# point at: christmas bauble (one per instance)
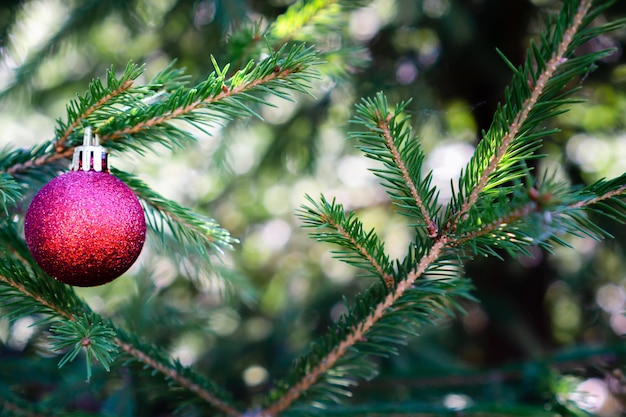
(85, 227)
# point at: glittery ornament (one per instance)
(85, 227)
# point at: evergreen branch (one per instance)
(302, 14)
(214, 99)
(191, 229)
(221, 98)
(358, 333)
(487, 160)
(348, 233)
(84, 114)
(389, 141)
(52, 298)
(10, 192)
(30, 291)
(175, 372)
(516, 214)
(303, 21)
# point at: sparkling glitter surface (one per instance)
(85, 228)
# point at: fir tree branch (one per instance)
(517, 124)
(212, 101)
(191, 229)
(174, 374)
(383, 125)
(356, 333)
(44, 303)
(389, 140)
(514, 215)
(60, 143)
(348, 233)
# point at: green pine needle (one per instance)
(88, 334)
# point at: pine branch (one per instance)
(389, 141)
(304, 21)
(496, 154)
(32, 292)
(215, 100)
(506, 214)
(96, 99)
(195, 233)
(396, 311)
(303, 16)
(361, 249)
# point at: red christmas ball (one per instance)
(85, 228)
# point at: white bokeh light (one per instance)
(446, 162)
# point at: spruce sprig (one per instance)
(194, 232)
(309, 22)
(361, 249)
(389, 140)
(84, 334)
(209, 103)
(28, 292)
(537, 93)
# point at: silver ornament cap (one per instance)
(90, 156)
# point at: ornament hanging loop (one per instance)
(90, 156)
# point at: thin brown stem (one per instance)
(358, 333)
(361, 249)
(514, 215)
(606, 196)
(518, 121)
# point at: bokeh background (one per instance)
(243, 319)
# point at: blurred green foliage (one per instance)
(536, 315)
